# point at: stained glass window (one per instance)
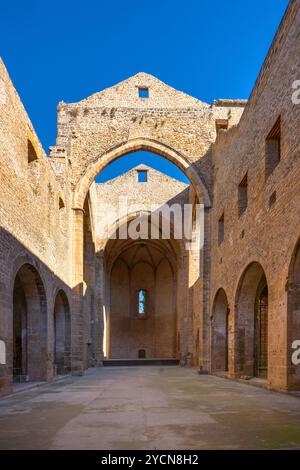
(142, 300)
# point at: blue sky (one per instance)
(67, 50)
(123, 164)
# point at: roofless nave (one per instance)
(69, 297)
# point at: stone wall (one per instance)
(34, 229)
(268, 230)
(95, 130)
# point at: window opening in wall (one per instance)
(221, 124)
(273, 148)
(142, 302)
(31, 153)
(61, 203)
(243, 195)
(221, 229)
(143, 92)
(272, 199)
(142, 176)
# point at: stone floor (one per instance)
(149, 408)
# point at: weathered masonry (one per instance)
(70, 295)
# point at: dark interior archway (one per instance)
(293, 289)
(141, 298)
(29, 326)
(251, 323)
(220, 333)
(261, 331)
(136, 327)
(20, 332)
(62, 334)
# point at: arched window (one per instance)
(142, 302)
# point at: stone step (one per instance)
(140, 362)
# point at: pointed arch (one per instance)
(29, 325)
(220, 332)
(251, 323)
(135, 145)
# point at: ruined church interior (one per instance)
(78, 298)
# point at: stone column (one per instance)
(77, 323)
(206, 309)
(184, 320)
(100, 302)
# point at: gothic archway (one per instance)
(135, 145)
(29, 326)
(141, 299)
(80, 196)
(220, 332)
(251, 323)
